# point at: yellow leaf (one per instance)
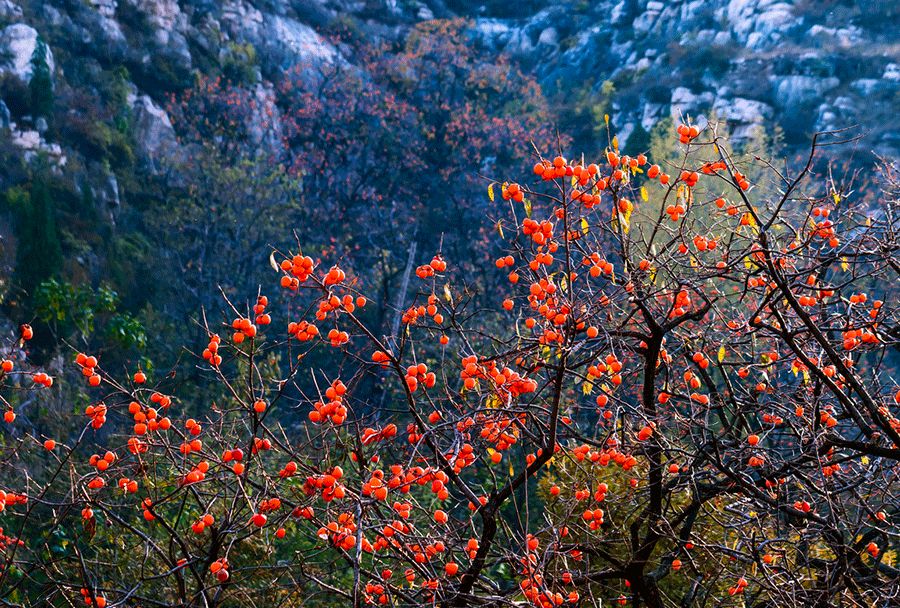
(447, 295)
(500, 228)
(587, 387)
(491, 191)
(273, 263)
(615, 142)
(527, 204)
(837, 198)
(644, 196)
(721, 355)
(606, 119)
(625, 218)
(584, 226)
(844, 265)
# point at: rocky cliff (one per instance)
(802, 65)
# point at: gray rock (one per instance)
(549, 36)
(867, 86)
(109, 193)
(685, 102)
(32, 144)
(282, 41)
(652, 113)
(742, 115)
(10, 11)
(760, 23)
(793, 90)
(840, 112)
(844, 37)
(17, 44)
(107, 8)
(4, 115)
(162, 14)
(153, 132)
(646, 20)
(722, 39)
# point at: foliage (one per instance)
(701, 409)
(72, 313)
(41, 84)
(38, 254)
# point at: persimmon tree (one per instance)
(686, 395)
(387, 151)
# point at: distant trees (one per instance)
(348, 147)
(38, 253)
(41, 84)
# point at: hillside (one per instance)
(116, 135)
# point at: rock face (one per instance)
(761, 23)
(281, 40)
(17, 44)
(10, 11)
(32, 143)
(793, 90)
(801, 64)
(751, 62)
(153, 132)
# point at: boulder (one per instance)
(153, 132)
(795, 89)
(10, 11)
(17, 44)
(760, 23)
(742, 115)
(32, 144)
(106, 8)
(282, 41)
(684, 102)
